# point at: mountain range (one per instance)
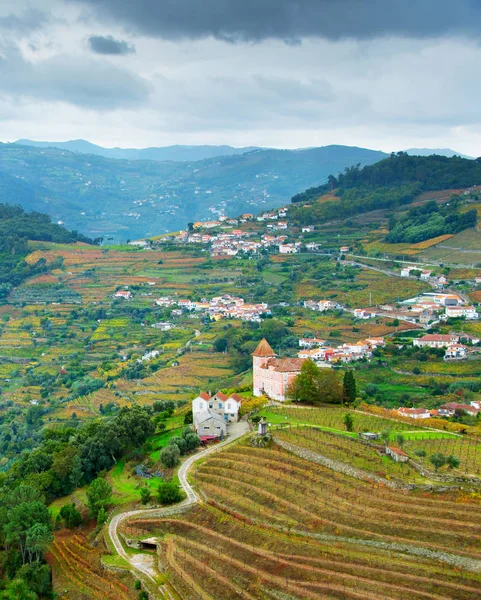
(122, 199)
(183, 153)
(176, 153)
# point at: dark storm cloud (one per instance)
(101, 44)
(292, 20)
(29, 20)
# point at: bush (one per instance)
(169, 493)
(71, 515)
(145, 495)
(180, 443)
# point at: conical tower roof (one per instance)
(264, 349)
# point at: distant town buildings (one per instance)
(220, 307)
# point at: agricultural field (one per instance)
(350, 451)
(464, 248)
(331, 418)
(276, 526)
(78, 571)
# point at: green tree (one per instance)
(145, 495)
(39, 536)
(99, 495)
(101, 517)
(438, 460)
(38, 577)
(18, 590)
(314, 385)
(453, 462)
(170, 456)
(400, 439)
(76, 474)
(349, 422)
(349, 387)
(71, 515)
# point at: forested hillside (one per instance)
(390, 184)
(139, 198)
(16, 228)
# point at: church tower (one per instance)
(260, 357)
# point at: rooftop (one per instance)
(264, 349)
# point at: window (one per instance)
(211, 405)
(206, 427)
(220, 404)
(218, 427)
(228, 406)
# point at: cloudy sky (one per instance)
(384, 74)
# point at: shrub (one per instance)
(145, 495)
(71, 515)
(169, 493)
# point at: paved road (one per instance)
(145, 564)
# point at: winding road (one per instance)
(144, 564)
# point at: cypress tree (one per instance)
(349, 387)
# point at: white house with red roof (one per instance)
(436, 340)
(123, 294)
(414, 413)
(226, 406)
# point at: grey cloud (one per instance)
(87, 83)
(291, 20)
(29, 20)
(101, 44)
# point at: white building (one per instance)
(456, 352)
(227, 407)
(414, 413)
(469, 312)
(436, 340)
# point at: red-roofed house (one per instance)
(414, 413)
(436, 340)
(227, 407)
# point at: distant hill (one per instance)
(17, 227)
(393, 183)
(439, 151)
(176, 153)
(107, 197)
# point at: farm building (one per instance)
(209, 425)
(396, 454)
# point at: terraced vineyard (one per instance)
(349, 451)
(275, 526)
(333, 417)
(77, 569)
